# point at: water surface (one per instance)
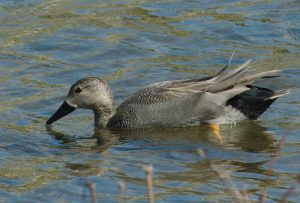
(45, 46)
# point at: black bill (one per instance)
(63, 110)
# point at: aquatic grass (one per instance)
(271, 163)
(241, 196)
(149, 171)
(121, 187)
(290, 190)
(238, 195)
(92, 188)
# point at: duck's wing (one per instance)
(223, 84)
(183, 102)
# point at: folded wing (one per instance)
(180, 102)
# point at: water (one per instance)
(45, 46)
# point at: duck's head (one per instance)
(87, 93)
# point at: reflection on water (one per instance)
(47, 45)
(247, 136)
(174, 153)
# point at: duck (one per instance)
(225, 97)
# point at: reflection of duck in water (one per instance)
(222, 98)
(105, 138)
(248, 136)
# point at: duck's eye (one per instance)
(78, 90)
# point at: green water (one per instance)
(45, 46)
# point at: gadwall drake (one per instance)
(225, 97)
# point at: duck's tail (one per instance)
(253, 102)
(278, 93)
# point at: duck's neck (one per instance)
(102, 115)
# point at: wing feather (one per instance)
(225, 83)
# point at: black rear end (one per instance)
(252, 103)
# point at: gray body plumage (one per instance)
(158, 113)
(169, 103)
